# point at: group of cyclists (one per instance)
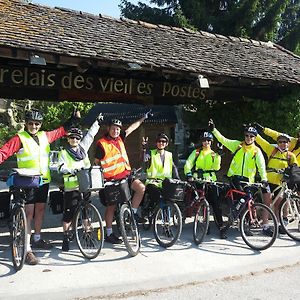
(32, 149)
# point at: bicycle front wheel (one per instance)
(251, 227)
(289, 216)
(167, 224)
(18, 237)
(89, 230)
(201, 222)
(129, 230)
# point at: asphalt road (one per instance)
(69, 276)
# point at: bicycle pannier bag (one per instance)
(294, 176)
(56, 202)
(90, 179)
(96, 176)
(4, 205)
(83, 178)
(116, 192)
(173, 190)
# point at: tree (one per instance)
(266, 20)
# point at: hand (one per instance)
(219, 149)
(144, 142)
(100, 118)
(148, 114)
(77, 114)
(189, 177)
(265, 184)
(211, 125)
(258, 126)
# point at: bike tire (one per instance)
(289, 216)
(89, 233)
(129, 230)
(167, 224)
(201, 222)
(252, 231)
(18, 237)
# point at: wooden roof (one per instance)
(67, 37)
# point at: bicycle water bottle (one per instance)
(240, 204)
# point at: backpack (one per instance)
(288, 159)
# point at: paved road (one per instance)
(69, 275)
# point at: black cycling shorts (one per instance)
(37, 195)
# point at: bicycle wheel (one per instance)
(167, 224)
(251, 227)
(129, 230)
(18, 237)
(289, 216)
(89, 230)
(201, 222)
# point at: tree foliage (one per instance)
(266, 20)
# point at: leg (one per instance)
(139, 189)
(109, 217)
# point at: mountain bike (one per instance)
(118, 192)
(18, 181)
(164, 214)
(196, 205)
(251, 216)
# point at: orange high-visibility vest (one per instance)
(114, 161)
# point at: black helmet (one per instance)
(284, 136)
(34, 115)
(115, 122)
(75, 132)
(162, 136)
(251, 130)
(206, 136)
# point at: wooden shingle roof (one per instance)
(154, 47)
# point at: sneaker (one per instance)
(112, 239)
(281, 230)
(65, 244)
(31, 259)
(268, 231)
(223, 235)
(41, 244)
(139, 220)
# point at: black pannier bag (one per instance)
(56, 202)
(4, 205)
(116, 192)
(173, 189)
(293, 175)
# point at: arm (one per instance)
(89, 137)
(265, 145)
(55, 134)
(190, 162)
(274, 135)
(62, 168)
(261, 165)
(134, 126)
(231, 145)
(10, 148)
(175, 171)
(217, 163)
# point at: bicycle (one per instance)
(195, 204)
(118, 192)
(164, 214)
(289, 208)
(250, 216)
(18, 181)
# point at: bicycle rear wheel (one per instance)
(167, 224)
(201, 222)
(129, 230)
(18, 237)
(289, 216)
(251, 227)
(89, 230)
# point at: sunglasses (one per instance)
(162, 141)
(282, 142)
(206, 140)
(74, 138)
(250, 136)
(34, 123)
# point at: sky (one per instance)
(105, 7)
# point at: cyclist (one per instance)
(159, 165)
(247, 159)
(112, 156)
(32, 148)
(279, 157)
(71, 159)
(202, 164)
(294, 145)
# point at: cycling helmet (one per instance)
(115, 122)
(251, 130)
(162, 136)
(284, 136)
(34, 115)
(75, 132)
(206, 136)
